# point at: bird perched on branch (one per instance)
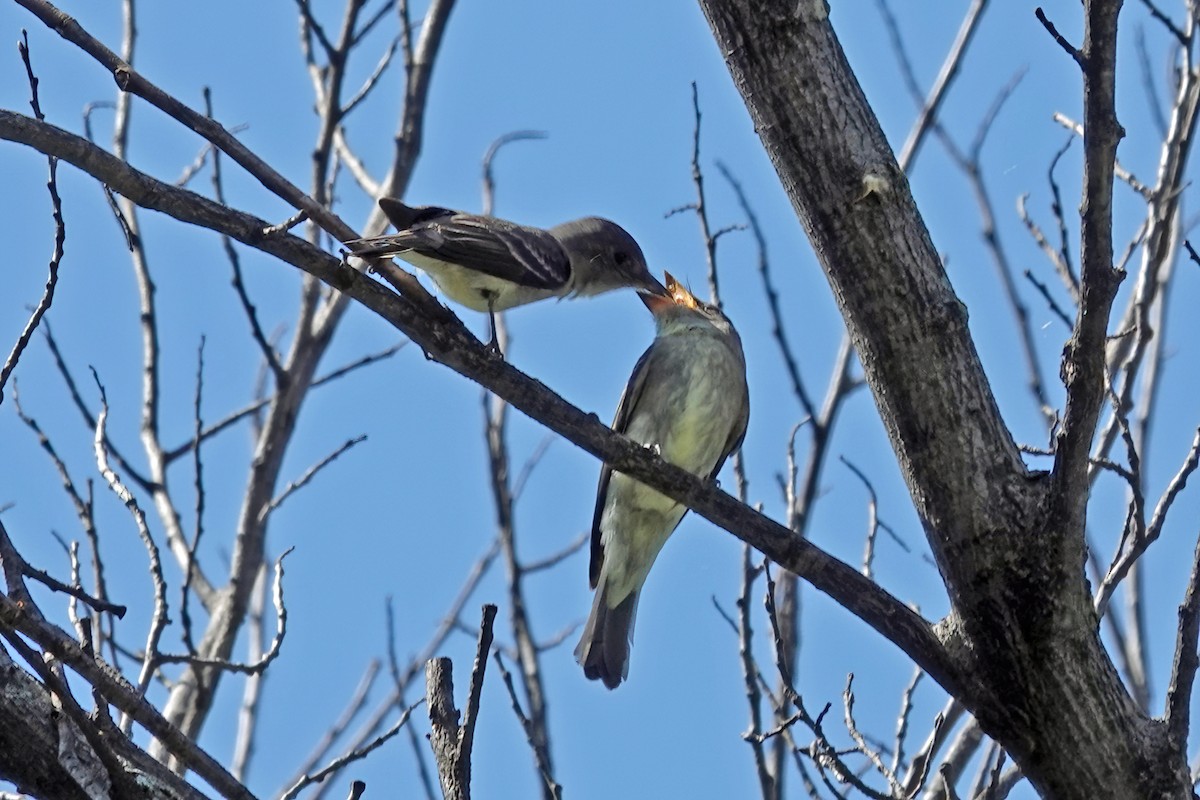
(687, 399)
(490, 264)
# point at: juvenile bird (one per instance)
(688, 399)
(490, 264)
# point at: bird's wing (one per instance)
(523, 255)
(629, 401)
(526, 256)
(736, 436)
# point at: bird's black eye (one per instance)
(621, 257)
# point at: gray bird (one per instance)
(687, 398)
(490, 264)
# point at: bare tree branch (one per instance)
(451, 740)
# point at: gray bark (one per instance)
(1022, 640)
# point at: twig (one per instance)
(160, 617)
(531, 463)
(414, 740)
(309, 474)
(532, 734)
(447, 626)
(860, 741)
(1063, 262)
(198, 471)
(1124, 560)
(489, 182)
(44, 578)
(86, 414)
(1051, 303)
(556, 558)
(237, 416)
(372, 80)
(872, 516)
(902, 720)
(247, 725)
(1061, 267)
(918, 768)
(701, 207)
(60, 235)
(1121, 172)
(1149, 86)
(1157, 13)
(239, 285)
(764, 270)
(255, 667)
(340, 763)
(941, 86)
(1058, 37)
(1192, 254)
(767, 780)
(357, 702)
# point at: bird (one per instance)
(490, 264)
(687, 399)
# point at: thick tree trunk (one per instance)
(1022, 634)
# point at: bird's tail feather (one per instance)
(603, 650)
(399, 214)
(379, 246)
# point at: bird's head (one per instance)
(604, 257)
(676, 307)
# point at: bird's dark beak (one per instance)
(654, 295)
(650, 285)
(656, 302)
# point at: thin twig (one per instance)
(941, 86)
(60, 235)
(553, 788)
(1060, 39)
(309, 474)
(161, 615)
(340, 763)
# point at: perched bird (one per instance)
(490, 264)
(687, 398)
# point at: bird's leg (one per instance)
(494, 338)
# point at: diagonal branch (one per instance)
(447, 341)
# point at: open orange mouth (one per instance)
(679, 294)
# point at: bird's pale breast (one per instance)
(472, 288)
(687, 409)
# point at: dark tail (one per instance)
(603, 650)
(398, 214)
(378, 246)
(405, 217)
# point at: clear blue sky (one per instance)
(405, 514)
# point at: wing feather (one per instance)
(523, 255)
(629, 400)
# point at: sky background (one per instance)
(405, 514)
